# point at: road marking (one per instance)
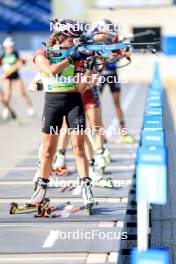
(44, 259)
(51, 239)
(125, 105)
(130, 96)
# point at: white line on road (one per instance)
(125, 105)
(130, 96)
(51, 239)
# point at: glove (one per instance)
(75, 56)
(128, 58)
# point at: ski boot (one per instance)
(87, 195)
(100, 162)
(126, 139)
(60, 165)
(39, 194)
(99, 180)
(107, 155)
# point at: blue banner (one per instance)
(154, 102)
(153, 138)
(151, 256)
(153, 122)
(151, 175)
(154, 111)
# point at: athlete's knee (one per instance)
(78, 150)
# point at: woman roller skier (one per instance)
(62, 99)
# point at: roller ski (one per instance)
(87, 207)
(16, 208)
(102, 182)
(68, 187)
(46, 212)
(99, 180)
(59, 165)
(87, 194)
(84, 188)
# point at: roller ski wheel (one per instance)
(13, 208)
(126, 139)
(103, 183)
(62, 171)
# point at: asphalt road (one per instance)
(25, 239)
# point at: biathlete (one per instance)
(9, 108)
(93, 116)
(10, 62)
(62, 99)
(109, 72)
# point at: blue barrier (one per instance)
(169, 45)
(154, 103)
(153, 123)
(151, 256)
(154, 97)
(151, 174)
(153, 111)
(152, 92)
(153, 138)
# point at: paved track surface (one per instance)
(25, 239)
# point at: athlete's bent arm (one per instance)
(45, 66)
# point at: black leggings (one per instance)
(58, 105)
(111, 79)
